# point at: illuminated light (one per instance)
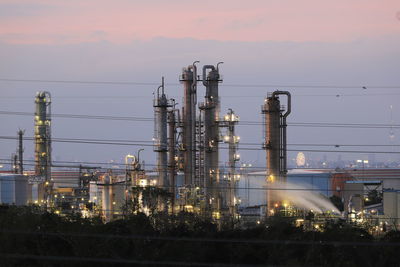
(316, 226)
(197, 188)
(188, 208)
(46, 183)
(57, 212)
(258, 222)
(276, 205)
(36, 201)
(94, 198)
(114, 203)
(271, 211)
(62, 197)
(216, 215)
(82, 199)
(285, 205)
(72, 207)
(55, 196)
(271, 178)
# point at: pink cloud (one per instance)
(257, 20)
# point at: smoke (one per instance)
(302, 196)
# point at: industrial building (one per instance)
(188, 176)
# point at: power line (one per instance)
(241, 123)
(134, 142)
(56, 140)
(333, 86)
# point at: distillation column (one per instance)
(275, 144)
(21, 151)
(43, 139)
(189, 79)
(160, 135)
(172, 154)
(231, 120)
(211, 137)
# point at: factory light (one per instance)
(271, 178)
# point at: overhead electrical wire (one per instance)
(364, 86)
(82, 141)
(247, 123)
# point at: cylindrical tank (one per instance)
(107, 198)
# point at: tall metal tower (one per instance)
(161, 105)
(275, 142)
(231, 119)
(20, 152)
(211, 110)
(189, 80)
(43, 139)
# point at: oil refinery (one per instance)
(188, 144)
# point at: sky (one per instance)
(323, 52)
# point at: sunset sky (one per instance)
(323, 52)
(61, 22)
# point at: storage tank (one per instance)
(14, 189)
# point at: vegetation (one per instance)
(30, 236)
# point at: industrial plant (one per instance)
(189, 176)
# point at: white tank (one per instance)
(14, 189)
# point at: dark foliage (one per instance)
(30, 236)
